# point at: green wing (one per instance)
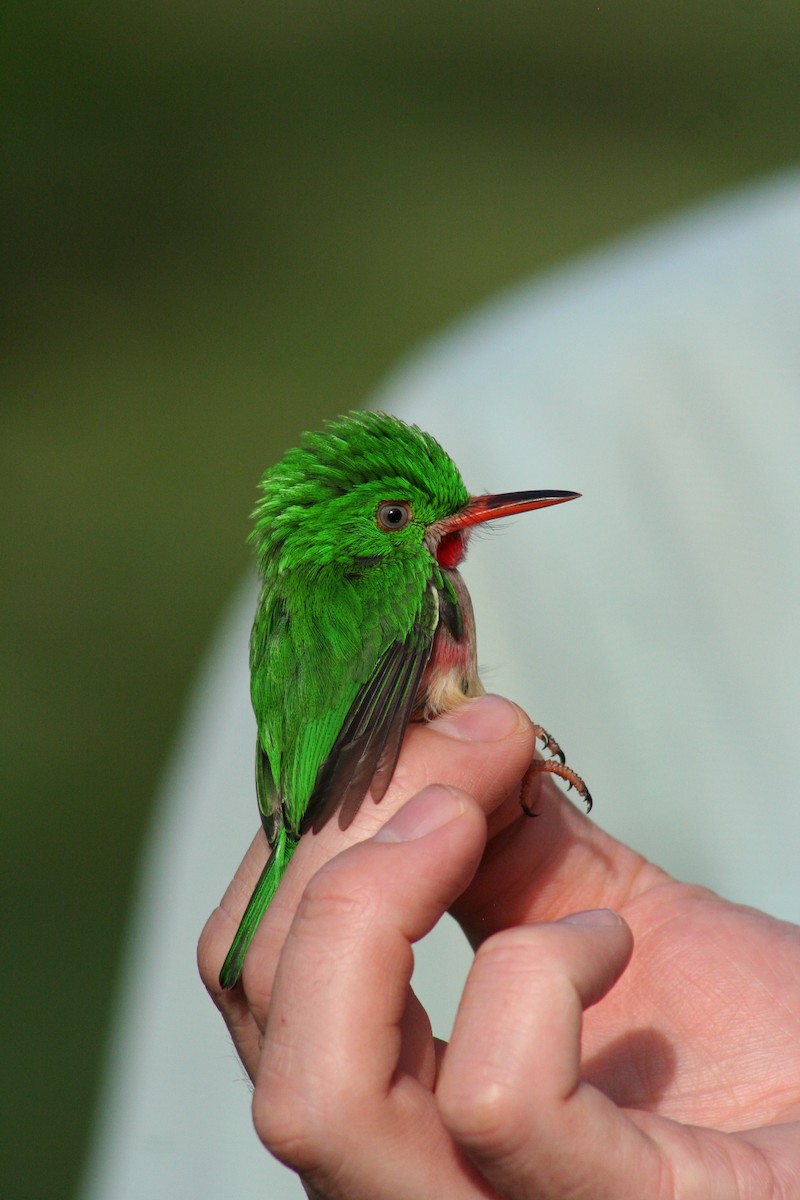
(368, 744)
(335, 672)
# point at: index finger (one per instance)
(344, 1084)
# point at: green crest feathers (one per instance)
(348, 458)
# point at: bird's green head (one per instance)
(367, 488)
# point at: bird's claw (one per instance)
(554, 766)
(549, 743)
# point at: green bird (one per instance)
(363, 624)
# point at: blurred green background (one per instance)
(222, 222)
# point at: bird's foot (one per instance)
(553, 766)
(549, 743)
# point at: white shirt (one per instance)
(653, 627)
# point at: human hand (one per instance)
(640, 1096)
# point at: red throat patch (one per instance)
(451, 550)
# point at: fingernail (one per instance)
(593, 917)
(430, 809)
(482, 719)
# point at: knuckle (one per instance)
(297, 1121)
(524, 957)
(484, 1114)
(506, 951)
(332, 895)
(281, 1120)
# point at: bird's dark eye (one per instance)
(393, 515)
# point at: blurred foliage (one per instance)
(221, 222)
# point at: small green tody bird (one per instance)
(363, 624)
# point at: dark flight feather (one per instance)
(377, 717)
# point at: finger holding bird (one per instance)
(483, 748)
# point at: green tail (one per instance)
(256, 907)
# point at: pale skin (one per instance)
(647, 1048)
